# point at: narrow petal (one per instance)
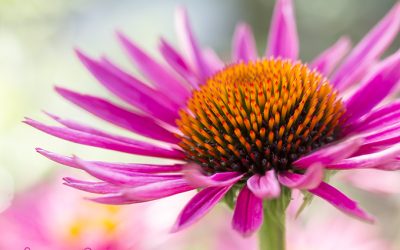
(157, 190)
(90, 130)
(375, 118)
(340, 201)
(158, 95)
(331, 153)
(130, 167)
(197, 179)
(368, 50)
(244, 45)
(266, 186)
(91, 186)
(368, 160)
(309, 180)
(327, 60)
(133, 91)
(123, 118)
(155, 72)
(248, 214)
(113, 199)
(120, 177)
(199, 206)
(190, 44)
(374, 88)
(178, 63)
(140, 148)
(282, 39)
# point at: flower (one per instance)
(47, 221)
(245, 132)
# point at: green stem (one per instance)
(272, 233)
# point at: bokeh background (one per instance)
(37, 38)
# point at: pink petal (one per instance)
(199, 206)
(140, 148)
(309, 180)
(266, 186)
(127, 167)
(213, 61)
(385, 115)
(107, 111)
(92, 187)
(120, 177)
(368, 160)
(178, 63)
(282, 39)
(244, 45)
(190, 44)
(327, 60)
(90, 130)
(155, 72)
(113, 199)
(159, 96)
(374, 88)
(340, 201)
(331, 153)
(248, 214)
(197, 179)
(133, 91)
(157, 190)
(368, 50)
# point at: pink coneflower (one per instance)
(246, 132)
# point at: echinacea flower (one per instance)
(246, 130)
(48, 216)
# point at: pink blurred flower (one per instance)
(52, 217)
(262, 125)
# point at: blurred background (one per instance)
(37, 38)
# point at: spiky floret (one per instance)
(252, 117)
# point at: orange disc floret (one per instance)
(251, 117)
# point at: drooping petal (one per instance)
(340, 201)
(330, 153)
(178, 63)
(368, 50)
(374, 88)
(121, 177)
(189, 43)
(327, 60)
(386, 121)
(282, 39)
(91, 186)
(133, 91)
(157, 190)
(155, 72)
(368, 160)
(199, 206)
(90, 130)
(388, 136)
(244, 45)
(376, 118)
(248, 213)
(197, 179)
(266, 186)
(127, 167)
(309, 180)
(114, 199)
(123, 118)
(140, 148)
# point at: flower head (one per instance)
(249, 131)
